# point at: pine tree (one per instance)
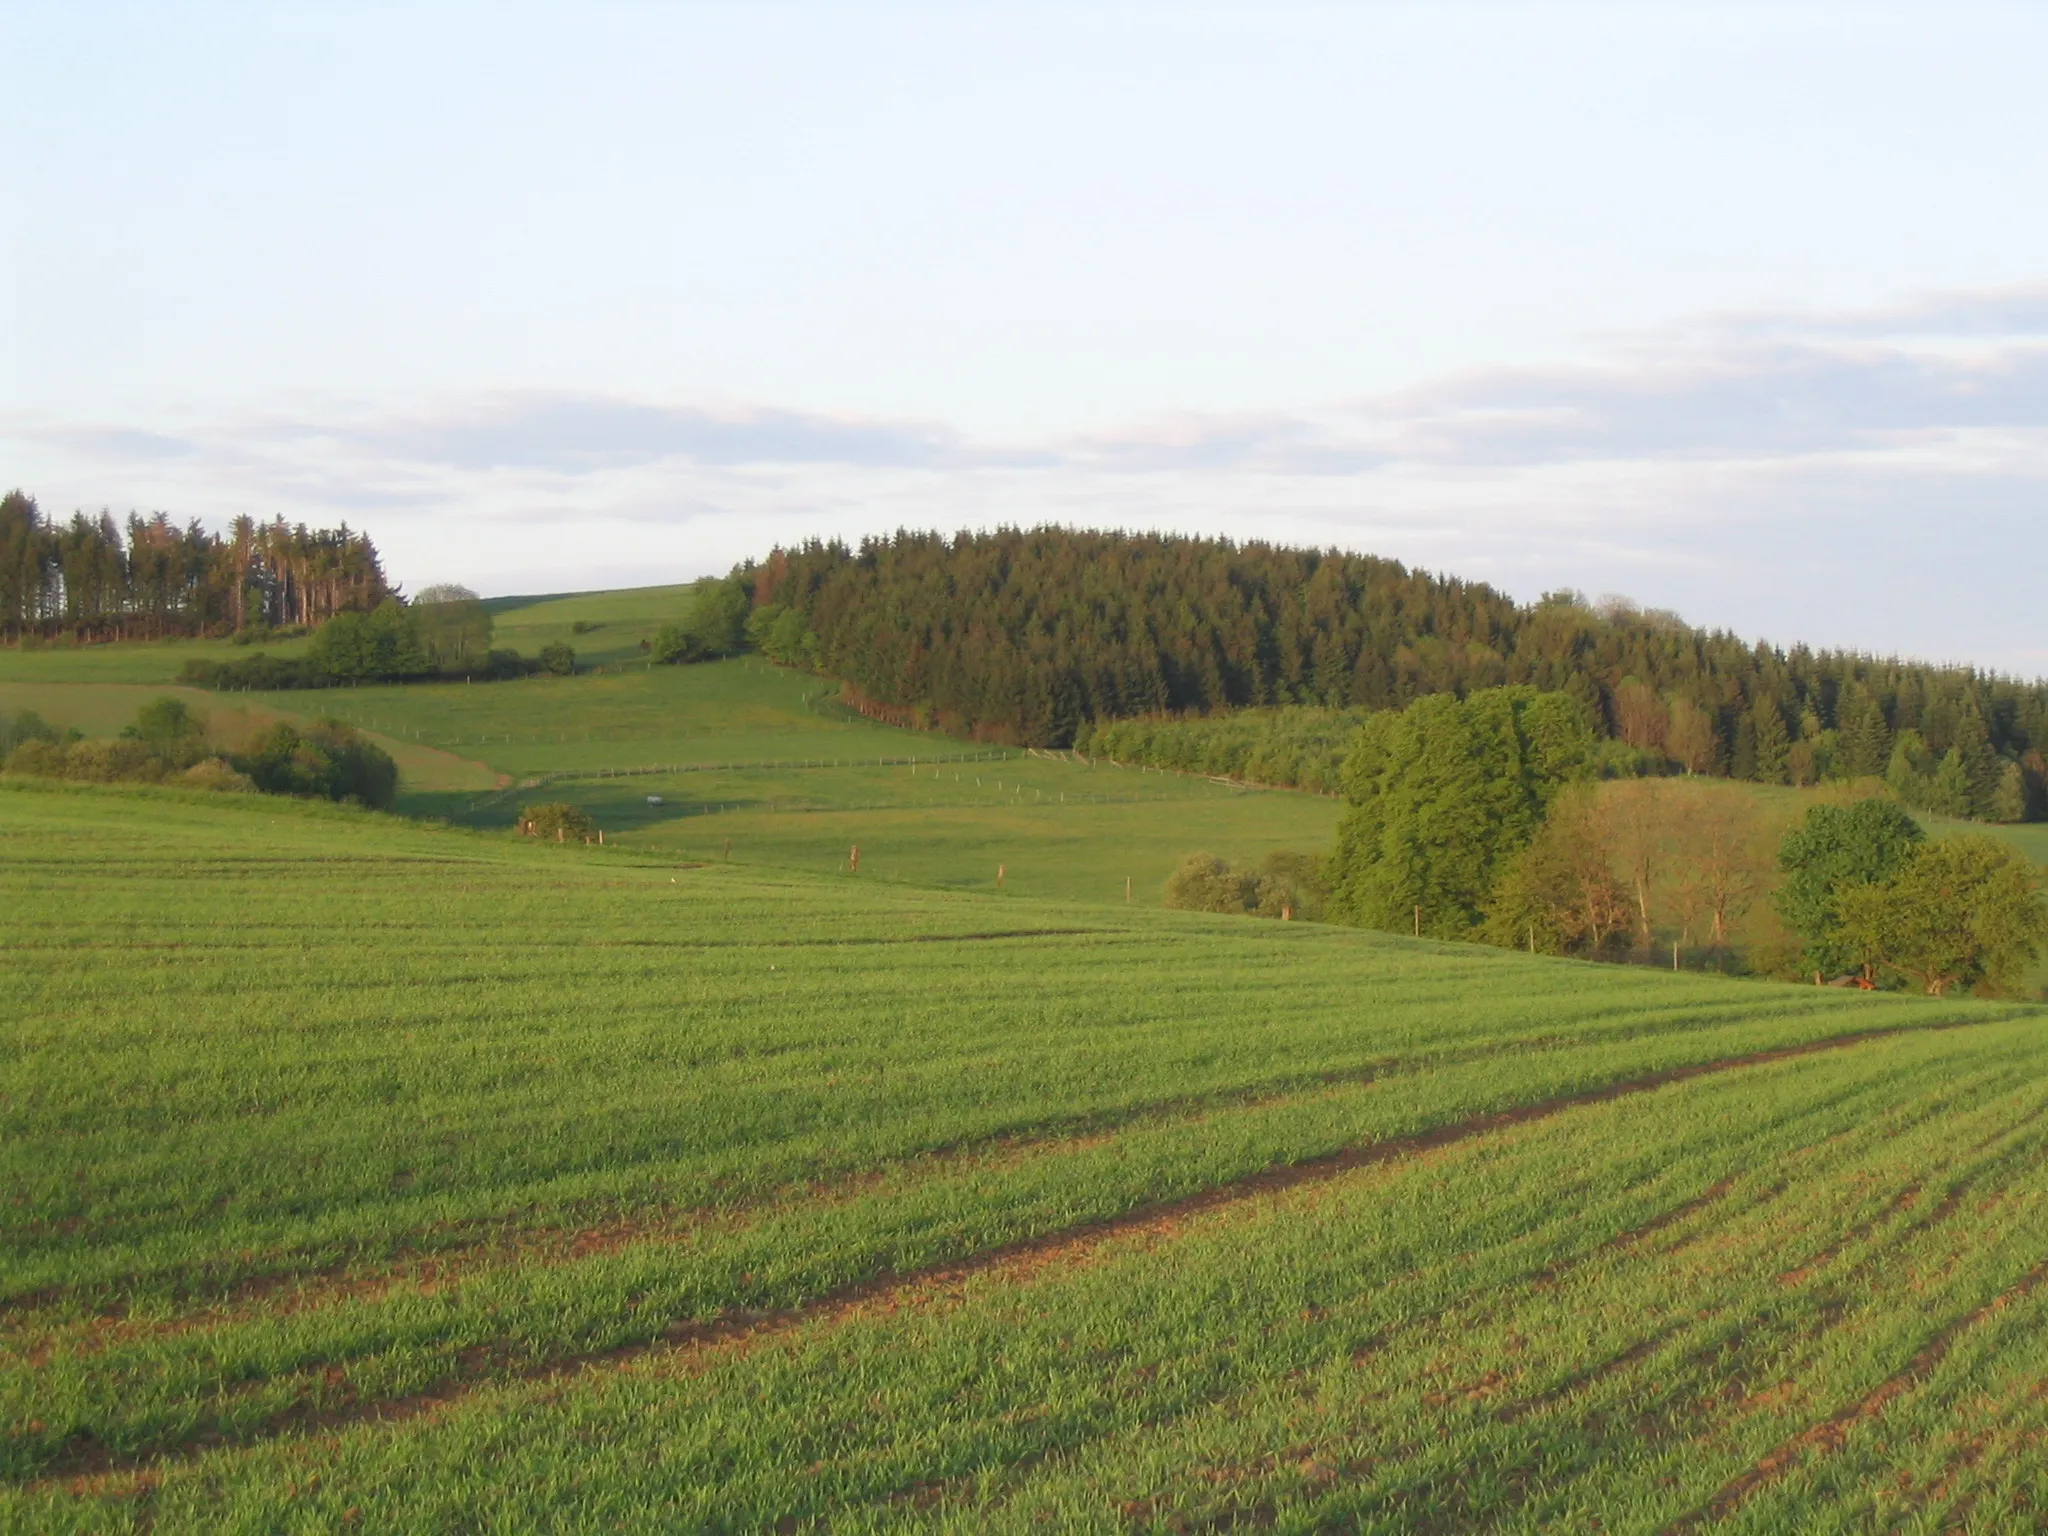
(2009, 802)
(1869, 741)
(1950, 794)
(1981, 765)
(1773, 746)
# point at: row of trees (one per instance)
(445, 634)
(95, 579)
(1032, 636)
(168, 744)
(1294, 746)
(1478, 819)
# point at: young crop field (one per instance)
(371, 1175)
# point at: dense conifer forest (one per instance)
(92, 579)
(1029, 636)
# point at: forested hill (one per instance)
(1024, 636)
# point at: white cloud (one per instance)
(1873, 478)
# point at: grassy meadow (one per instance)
(366, 1173)
(749, 761)
(396, 1173)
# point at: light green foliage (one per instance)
(715, 626)
(1442, 795)
(454, 627)
(1833, 848)
(1299, 746)
(1959, 912)
(381, 645)
(778, 632)
(688, 1198)
(1204, 883)
(2009, 802)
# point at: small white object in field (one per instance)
(654, 799)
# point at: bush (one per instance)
(716, 625)
(327, 761)
(1205, 883)
(380, 646)
(258, 673)
(556, 821)
(214, 773)
(91, 762)
(557, 660)
(44, 759)
(26, 727)
(584, 626)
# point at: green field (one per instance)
(750, 762)
(367, 1174)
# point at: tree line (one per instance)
(94, 579)
(444, 633)
(1035, 636)
(167, 743)
(1480, 819)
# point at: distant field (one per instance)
(373, 1175)
(428, 775)
(618, 622)
(158, 661)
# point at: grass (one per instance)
(365, 1173)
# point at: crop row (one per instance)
(1659, 1308)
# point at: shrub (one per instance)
(556, 821)
(1205, 883)
(327, 761)
(557, 660)
(26, 727)
(715, 626)
(214, 773)
(45, 759)
(92, 762)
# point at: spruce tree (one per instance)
(1773, 746)
(1981, 765)
(1950, 793)
(2009, 801)
(1869, 741)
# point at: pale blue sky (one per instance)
(1737, 309)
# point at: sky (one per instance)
(1739, 310)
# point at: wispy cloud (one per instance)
(583, 433)
(1872, 477)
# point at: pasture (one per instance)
(369, 1174)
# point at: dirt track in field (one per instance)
(87, 1466)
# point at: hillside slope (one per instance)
(365, 1172)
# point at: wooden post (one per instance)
(1127, 887)
(853, 859)
(1674, 954)
(1001, 870)
(728, 845)
(1418, 922)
